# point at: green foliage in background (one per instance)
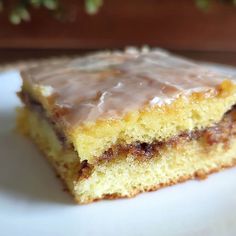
(21, 10)
(205, 4)
(92, 6)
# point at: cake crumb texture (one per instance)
(125, 176)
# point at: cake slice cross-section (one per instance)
(115, 124)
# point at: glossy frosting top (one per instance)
(109, 84)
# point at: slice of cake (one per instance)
(114, 124)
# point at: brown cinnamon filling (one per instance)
(37, 107)
(220, 132)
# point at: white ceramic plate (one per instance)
(32, 201)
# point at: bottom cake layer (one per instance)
(126, 176)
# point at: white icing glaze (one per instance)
(107, 85)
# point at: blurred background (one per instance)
(198, 29)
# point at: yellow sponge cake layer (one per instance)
(126, 176)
